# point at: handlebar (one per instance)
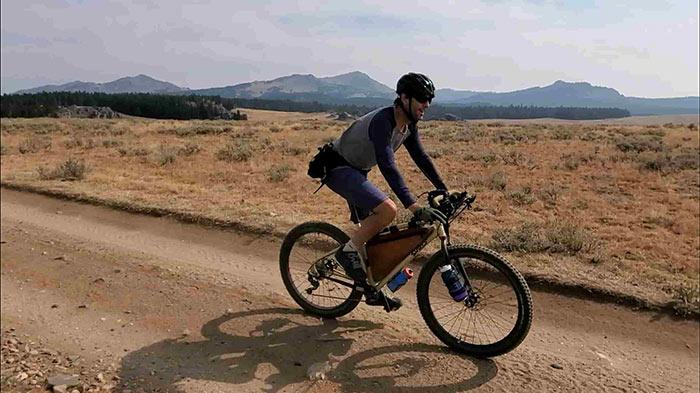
(449, 202)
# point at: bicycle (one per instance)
(496, 313)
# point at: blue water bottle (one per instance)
(453, 283)
(399, 279)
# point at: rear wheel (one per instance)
(310, 273)
(497, 313)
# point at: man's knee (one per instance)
(386, 210)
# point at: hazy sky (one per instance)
(641, 48)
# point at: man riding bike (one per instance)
(372, 140)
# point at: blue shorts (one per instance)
(361, 194)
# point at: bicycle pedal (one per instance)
(392, 304)
(379, 299)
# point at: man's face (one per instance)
(417, 108)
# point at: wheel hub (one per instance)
(319, 271)
(472, 300)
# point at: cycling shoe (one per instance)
(379, 299)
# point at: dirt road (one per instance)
(137, 303)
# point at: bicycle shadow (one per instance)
(403, 368)
(281, 346)
(270, 349)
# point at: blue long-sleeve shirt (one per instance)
(372, 140)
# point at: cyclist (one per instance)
(372, 140)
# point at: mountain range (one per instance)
(131, 84)
(357, 88)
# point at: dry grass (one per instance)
(604, 203)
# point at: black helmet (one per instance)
(417, 86)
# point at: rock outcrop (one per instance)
(87, 112)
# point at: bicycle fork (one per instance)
(444, 235)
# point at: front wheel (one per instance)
(310, 273)
(495, 316)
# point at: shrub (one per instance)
(638, 145)
(488, 158)
(522, 197)
(686, 161)
(206, 130)
(111, 143)
(590, 136)
(550, 194)
(571, 163)
(552, 237)
(293, 150)
(180, 132)
(33, 144)
(527, 237)
(686, 299)
(470, 157)
(440, 151)
(69, 170)
(504, 137)
(563, 133)
(464, 136)
(513, 157)
(568, 238)
(87, 143)
(477, 131)
(667, 162)
(573, 160)
(189, 149)
(659, 162)
(119, 131)
(659, 220)
(278, 173)
(235, 153)
(654, 132)
(141, 151)
(496, 181)
(137, 151)
(166, 155)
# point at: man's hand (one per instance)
(428, 214)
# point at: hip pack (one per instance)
(324, 161)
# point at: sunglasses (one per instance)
(424, 99)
